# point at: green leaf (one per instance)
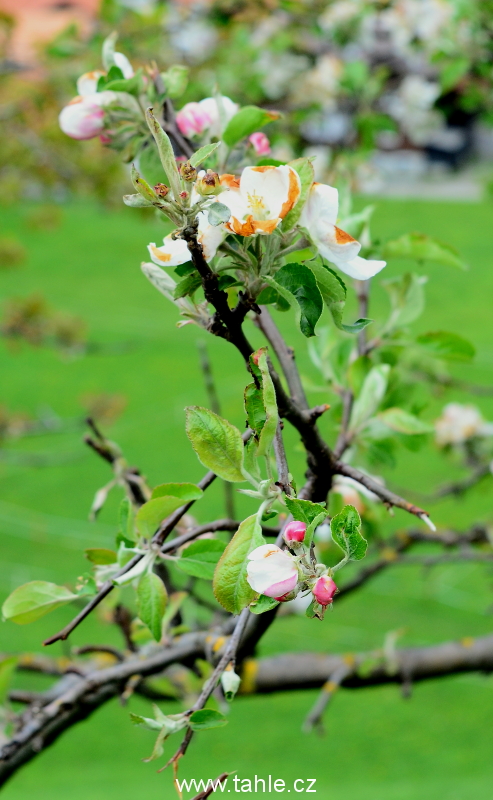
(151, 603)
(404, 422)
(269, 428)
(447, 345)
(141, 185)
(207, 718)
(248, 120)
(263, 604)
(370, 397)
(166, 154)
(187, 286)
(333, 291)
(200, 558)
(346, 532)
(136, 201)
(312, 527)
(407, 299)
(230, 585)
(175, 80)
(254, 408)
(146, 722)
(131, 85)
(150, 165)
(33, 600)
(300, 282)
(203, 153)
(126, 519)
(151, 514)
(7, 670)
(100, 555)
(306, 172)
(218, 444)
(304, 510)
(185, 491)
(420, 247)
(218, 213)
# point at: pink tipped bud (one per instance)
(324, 590)
(294, 531)
(193, 119)
(260, 143)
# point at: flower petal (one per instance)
(171, 254)
(268, 567)
(322, 204)
(210, 236)
(359, 268)
(88, 82)
(270, 192)
(283, 587)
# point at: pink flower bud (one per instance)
(324, 590)
(294, 531)
(260, 143)
(193, 120)
(82, 118)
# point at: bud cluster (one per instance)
(282, 574)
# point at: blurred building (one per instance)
(31, 23)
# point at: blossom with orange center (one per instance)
(260, 199)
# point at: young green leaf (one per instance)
(175, 80)
(248, 120)
(304, 510)
(269, 402)
(407, 299)
(141, 185)
(370, 397)
(151, 514)
(404, 422)
(230, 585)
(33, 600)
(299, 281)
(333, 291)
(166, 153)
(100, 555)
(420, 247)
(207, 718)
(263, 604)
(126, 519)
(446, 345)
(218, 444)
(306, 173)
(136, 201)
(218, 213)
(151, 603)
(187, 286)
(200, 558)
(346, 532)
(185, 491)
(312, 527)
(203, 153)
(254, 408)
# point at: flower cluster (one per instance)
(282, 574)
(258, 202)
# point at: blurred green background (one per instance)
(377, 746)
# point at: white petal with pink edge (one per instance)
(271, 571)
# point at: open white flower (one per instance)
(271, 571)
(175, 251)
(459, 423)
(260, 199)
(319, 217)
(88, 82)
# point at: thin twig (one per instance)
(314, 718)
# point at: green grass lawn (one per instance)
(378, 746)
